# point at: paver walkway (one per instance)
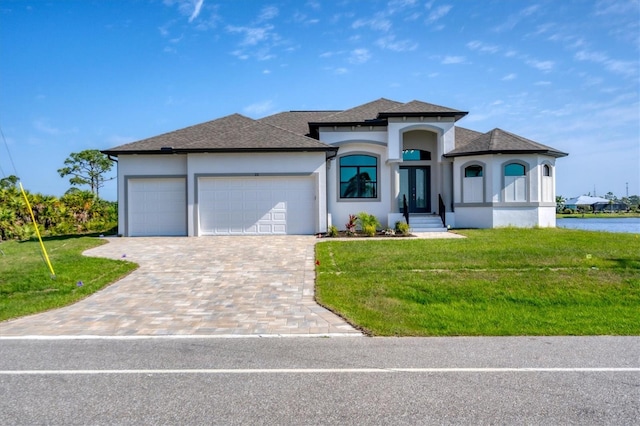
(253, 285)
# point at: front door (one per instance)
(415, 184)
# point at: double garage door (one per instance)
(254, 205)
(250, 205)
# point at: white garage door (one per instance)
(157, 206)
(256, 205)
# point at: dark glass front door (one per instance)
(415, 184)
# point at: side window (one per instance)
(515, 184)
(473, 184)
(358, 176)
(547, 184)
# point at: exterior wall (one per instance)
(340, 209)
(145, 166)
(436, 136)
(304, 163)
(536, 209)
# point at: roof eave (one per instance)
(556, 154)
(215, 150)
(455, 114)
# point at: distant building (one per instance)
(596, 204)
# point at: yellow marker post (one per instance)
(33, 218)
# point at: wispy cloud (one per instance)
(390, 43)
(252, 35)
(509, 77)
(482, 47)
(453, 60)
(259, 109)
(625, 68)
(378, 23)
(268, 13)
(513, 20)
(196, 10)
(43, 126)
(359, 56)
(438, 13)
(545, 66)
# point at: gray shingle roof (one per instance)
(419, 107)
(232, 133)
(498, 141)
(383, 108)
(296, 121)
(359, 114)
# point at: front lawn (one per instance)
(495, 282)
(26, 286)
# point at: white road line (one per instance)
(325, 371)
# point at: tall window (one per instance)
(515, 188)
(358, 176)
(547, 184)
(473, 184)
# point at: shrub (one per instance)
(402, 228)
(351, 225)
(369, 230)
(367, 220)
(332, 232)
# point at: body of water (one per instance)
(618, 224)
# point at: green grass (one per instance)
(495, 282)
(26, 286)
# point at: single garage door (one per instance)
(157, 206)
(256, 205)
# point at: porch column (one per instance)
(394, 170)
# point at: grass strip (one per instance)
(495, 282)
(26, 286)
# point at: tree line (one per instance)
(76, 212)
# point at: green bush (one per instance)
(332, 232)
(366, 220)
(402, 228)
(369, 230)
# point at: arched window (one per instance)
(514, 169)
(515, 184)
(415, 155)
(473, 171)
(546, 170)
(358, 176)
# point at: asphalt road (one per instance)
(521, 380)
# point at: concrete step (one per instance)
(426, 223)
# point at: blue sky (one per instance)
(78, 75)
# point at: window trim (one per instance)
(339, 179)
(463, 169)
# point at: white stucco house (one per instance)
(299, 172)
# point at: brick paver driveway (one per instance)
(198, 286)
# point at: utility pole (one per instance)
(627, 189)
